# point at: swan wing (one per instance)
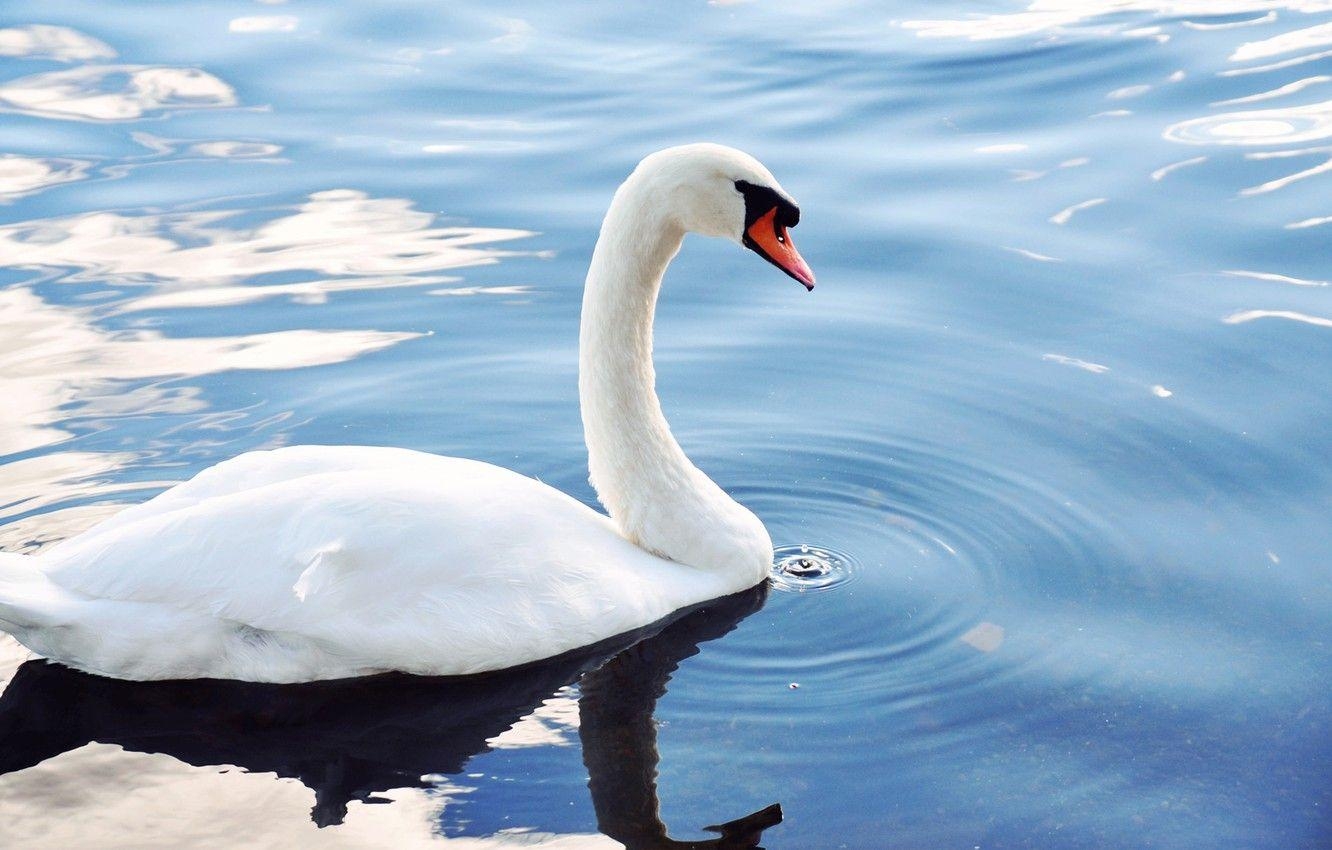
(321, 562)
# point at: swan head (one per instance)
(719, 191)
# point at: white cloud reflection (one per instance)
(1033, 255)
(1301, 39)
(114, 92)
(1272, 277)
(1283, 182)
(1160, 173)
(517, 35)
(264, 23)
(553, 723)
(52, 356)
(984, 637)
(1065, 215)
(305, 292)
(33, 533)
(42, 480)
(118, 799)
(1280, 91)
(235, 150)
(43, 41)
(26, 175)
(340, 232)
(1084, 365)
(21, 175)
(1230, 25)
(1315, 221)
(1289, 315)
(1126, 92)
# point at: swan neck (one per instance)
(658, 499)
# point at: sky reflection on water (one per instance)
(1061, 395)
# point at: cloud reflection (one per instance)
(1280, 91)
(339, 232)
(26, 175)
(304, 292)
(1276, 66)
(1315, 221)
(1274, 278)
(1066, 214)
(52, 356)
(1302, 39)
(43, 41)
(1084, 365)
(114, 92)
(1160, 173)
(1230, 25)
(264, 23)
(34, 533)
(235, 150)
(32, 483)
(1289, 315)
(553, 723)
(149, 800)
(1283, 182)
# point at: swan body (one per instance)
(323, 562)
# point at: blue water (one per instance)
(1061, 399)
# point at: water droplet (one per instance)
(802, 568)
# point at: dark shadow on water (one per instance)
(348, 740)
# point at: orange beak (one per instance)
(774, 244)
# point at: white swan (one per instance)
(323, 562)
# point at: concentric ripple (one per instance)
(955, 566)
(803, 568)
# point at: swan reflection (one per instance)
(354, 739)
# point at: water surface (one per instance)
(1060, 399)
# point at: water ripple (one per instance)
(943, 546)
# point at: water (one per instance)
(1060, 402)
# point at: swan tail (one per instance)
(28, 599)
